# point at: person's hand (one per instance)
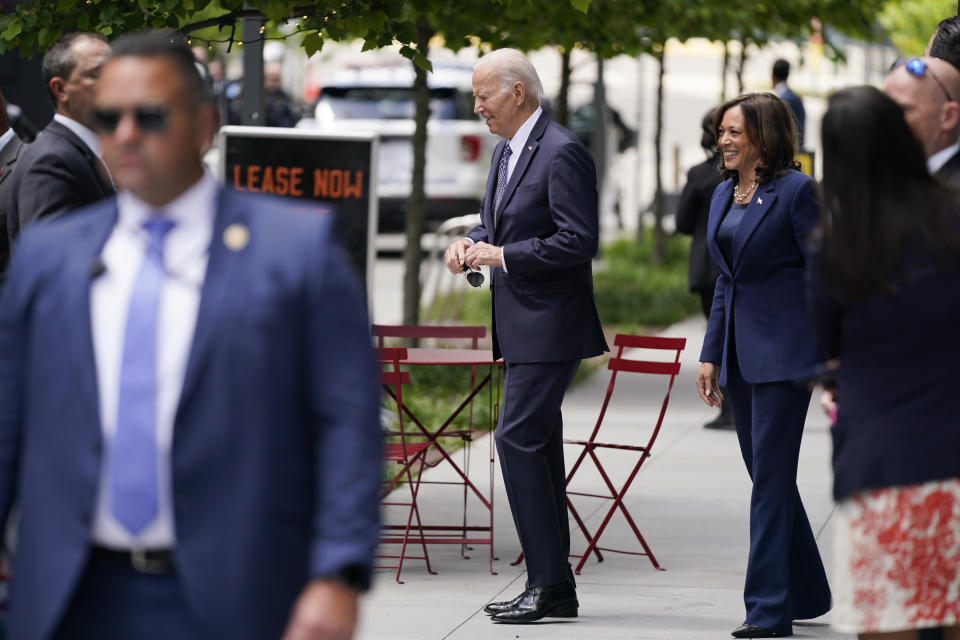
(325, 610)
(828, 402)
(707, 385)
(454, 255)
(483, 253)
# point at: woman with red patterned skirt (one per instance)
(885, 293)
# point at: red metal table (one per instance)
(462, 534)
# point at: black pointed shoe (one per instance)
(753, 631)
(555, 601)
(498, 607)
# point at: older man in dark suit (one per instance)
(188, 398)
(63, 169)
(10, 148)
(928, 89)
(538, 235)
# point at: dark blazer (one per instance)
(692, 212)
(9, 156)
(949, 173)
(543, 309)
(56, 174)
(799, 113)
(897, 421)
(760, 300)
(276, 446)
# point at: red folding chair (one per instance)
(471, 333)
(409, 457)
(590, 446)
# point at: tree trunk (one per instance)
(563, 96)
(412, 253)
(659, 237)
(723, 72)
(598, 136)
(740, 64)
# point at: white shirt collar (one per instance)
(940, 158)
(779, 89)
(194, 208)
(88, 136)
(5, 139)
(519, 139)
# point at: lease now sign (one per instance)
(330, 174)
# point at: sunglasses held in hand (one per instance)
(149, 118)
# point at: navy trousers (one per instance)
(530, 445)
(785, 576)
(113, 600)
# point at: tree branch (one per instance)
(239, 14)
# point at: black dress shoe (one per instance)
(753, 631)
(536, 603)
(497, 607)
(721, 422)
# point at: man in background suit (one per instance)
(10, 148)
(188, 422)
(928, 90)
(780, 73)
(538, 234)
(63, 169)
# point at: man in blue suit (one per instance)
(538, 234)
(188, 424)
(780, 73)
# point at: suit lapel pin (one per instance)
(529, 148)
(759, 200)
(236, 237)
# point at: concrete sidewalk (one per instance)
(690, 501)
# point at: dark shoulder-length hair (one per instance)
(881, 208)
(769, 124)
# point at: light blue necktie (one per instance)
(501, 179)
(133, 480)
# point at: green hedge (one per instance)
(632, 293)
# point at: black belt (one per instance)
(157, 561)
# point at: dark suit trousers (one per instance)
(785, 577)
(114, 601)
(530, 445)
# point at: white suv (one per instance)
(380, 99)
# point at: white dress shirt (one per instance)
(517, 143)
(186, 251)
(6, 138)
(940, 158)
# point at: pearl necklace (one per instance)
(741, 197)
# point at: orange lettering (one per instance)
(267, 184)
(253, 177)
(296, 177)
(283, 184)
(320, 182)
(354, 190)
(236, 178)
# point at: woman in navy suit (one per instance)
(759, 343)
(885, 292)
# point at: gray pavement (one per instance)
(690, 500)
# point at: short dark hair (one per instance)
(946, 41)
(880, 202)
(769, 123)
(59, 61)
(169, 45)
(781, 70)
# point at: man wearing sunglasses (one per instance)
(189, 420)
(63, 169)
(928, 90)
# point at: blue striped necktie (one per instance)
(501, 179)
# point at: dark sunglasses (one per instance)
(918, 69)
(149, 119)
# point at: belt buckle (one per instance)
(145, 561)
